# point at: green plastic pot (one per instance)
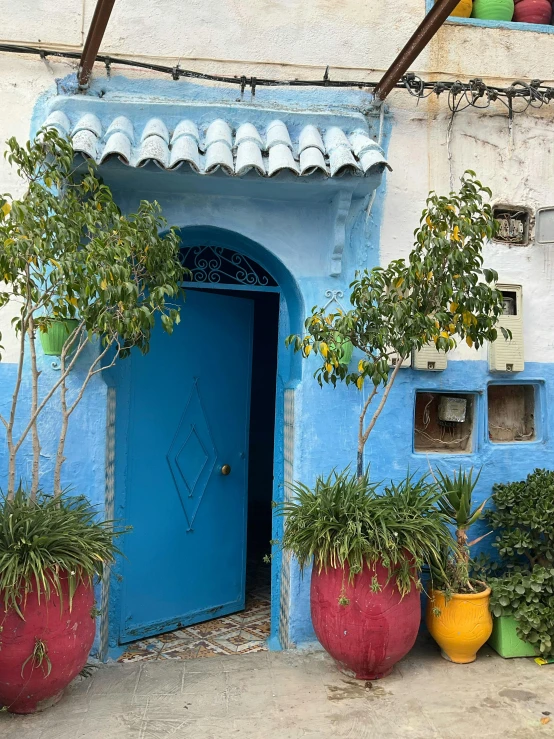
(55, 336)
(506, 642)
(347, 351)
(493, 10)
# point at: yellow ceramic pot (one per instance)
(463, 9)
(459, 625)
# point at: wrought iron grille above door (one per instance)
(217, 265)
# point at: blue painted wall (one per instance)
(329, 439)
(291, 238)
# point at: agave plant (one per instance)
(347, 521)
(455, 503)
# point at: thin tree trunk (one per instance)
(35, 374)
(12, 448)
(60, 459)
(364, 435)
(49, 394)
(360, 457)
(68, 410)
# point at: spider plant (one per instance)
(456, 505)
(347, 521)
(46, 540)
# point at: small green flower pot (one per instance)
(506, 642)
(55, 336)
(346, 354)
(493, 10)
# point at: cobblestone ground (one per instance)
(290, 695)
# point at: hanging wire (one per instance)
(517, 97)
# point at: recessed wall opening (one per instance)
(513, 224)
(443, 422)
(511, 412)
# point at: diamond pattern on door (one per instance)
(192, 456)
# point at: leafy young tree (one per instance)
(68, 252)
(437, 296)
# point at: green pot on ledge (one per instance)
(493, 10)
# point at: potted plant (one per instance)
(367, 547)
(522, 600)
(458, 616)
(51, 551)
(463, 9)
(67, 251)
(533, 11)
(54, 333)
(493, 10)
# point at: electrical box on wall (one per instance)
(506, 355)
(429, 358)
(513, 224)
(394, 359)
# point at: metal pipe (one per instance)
(428, 27)
(94, 38)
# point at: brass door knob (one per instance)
(226, 469)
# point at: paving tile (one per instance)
(156, 679)
(115, 679)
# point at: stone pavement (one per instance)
(294, 695)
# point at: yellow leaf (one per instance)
(328, 366)
(399, 282)
(324, 349)
(6, 208)
(451, 207)
(469, 341)
(452, 328)
(456, 277)
(444, 334)
(73, 301)
(453, 307)
(98, 206)
(545, 720)
(430, 276)
(456, 234)
(48, 181)
(9, 242)
(466, 318)
(103, 285)
(360, 382)
(328, 320)
(307, 350)
(361, 365)
(429, 222)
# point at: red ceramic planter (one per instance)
(367, 636)
(533, 11)
(66, 634)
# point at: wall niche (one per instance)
(511, 412)
(444, 422)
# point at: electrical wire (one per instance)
(461, 95)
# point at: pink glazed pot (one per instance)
(533, 11)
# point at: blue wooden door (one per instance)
(188, 426)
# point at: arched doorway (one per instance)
(199, 437)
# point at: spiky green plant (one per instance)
(347, 521)
(455, 503)
(46, 540)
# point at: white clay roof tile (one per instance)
(217, 145)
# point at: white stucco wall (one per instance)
(285, 38)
